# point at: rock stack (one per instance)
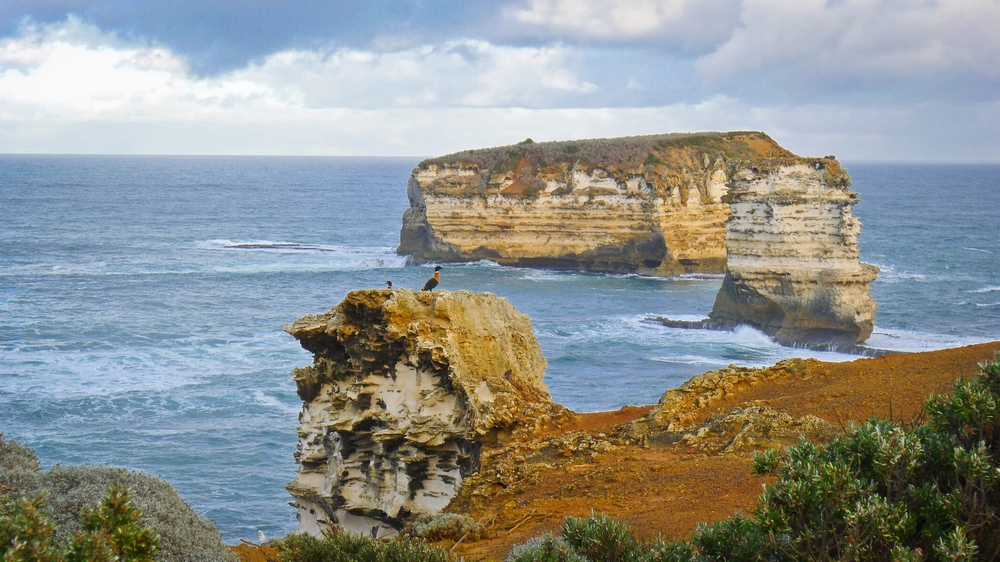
(404, 390)
(793, 267)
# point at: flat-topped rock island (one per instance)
(779, 226)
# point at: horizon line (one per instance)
(387, 156)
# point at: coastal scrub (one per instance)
(884, 491)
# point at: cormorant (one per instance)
(388, 284)
(433, 281)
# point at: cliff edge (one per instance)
(405, 389)
(650, 204)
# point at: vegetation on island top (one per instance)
(623, 153)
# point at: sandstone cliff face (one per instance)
(793, 267)
(404, 390)
(639, 204)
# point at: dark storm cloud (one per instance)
(220, 35)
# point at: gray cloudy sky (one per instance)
(862, 79)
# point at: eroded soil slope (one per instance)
(633, 472)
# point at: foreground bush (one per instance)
(882, 493)
(444, 526)
(110, 532)
(184, 537)
(583, 539)
(336, 546)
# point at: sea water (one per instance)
(142, 301)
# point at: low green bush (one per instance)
(337, 546)
(111, 532)
(444, 526)
(546, 548)
(184, 536)
(599, 537)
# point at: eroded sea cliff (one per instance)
(405, 389)
(650, 204)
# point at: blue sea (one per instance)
(142, 301)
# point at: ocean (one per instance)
(142, 301)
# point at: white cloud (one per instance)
(456, 73)
(812, 45)
(74, 71)
(693, 25)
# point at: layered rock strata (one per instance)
(404, 390)
(638, 204)
(793, 267)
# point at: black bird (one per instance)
(433, 281)
(388, 284)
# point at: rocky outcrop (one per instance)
(793, 267)
(405, 389)
(638, 204)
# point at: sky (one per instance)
(896, 80)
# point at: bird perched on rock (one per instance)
(388, 284)
(433, 281)
(261, 537)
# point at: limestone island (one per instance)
(779, 226)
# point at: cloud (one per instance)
(71, 87)
(456, 73)
(817, 47)
(691, 25)
(218, 36)
(74, 71)
(804, 50)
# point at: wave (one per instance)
(685, 317)
(913, 341)
(272, 402)
(747, 335)
(691, 360)
(989, 289)
(988, 305)
(699, 276)
(978, 250)
(335, 257)
(889, 274)
(268, 245)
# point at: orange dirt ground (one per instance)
(666, 490)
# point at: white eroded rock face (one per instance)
(641, 204)
(404, 388)
(793, 260)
